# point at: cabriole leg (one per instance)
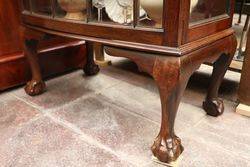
(90, 68)
(171, 75)
(171, 83)
(167, 146)
(36, 86)
(212, 104)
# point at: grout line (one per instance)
(27, 102)
(37, 117)
(86, 138)
(219, 148)
(72, 128)
(226, 138)
(198, 122)
(82, 98)
(132, 112)
(127, 109)
(88, 95)
(225, 149)
(45, 110)
(111, 86)
(142, 116)
(20, 127)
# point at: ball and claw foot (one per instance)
(168, 150)
(214, 107)
(34, 88)
(91, 69)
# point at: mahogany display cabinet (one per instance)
(169, 39)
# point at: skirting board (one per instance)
(243, 110)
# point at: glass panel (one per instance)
(71, 9)
(151, 12)
(26, 5)
(205, 9)
(112, 11)
(42, 7)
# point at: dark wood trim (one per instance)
(206, 27)
(172, 23)
(131, 45)
(202, 30)
(164, 50)
(14, 69)
(95, 30)
(194, 45)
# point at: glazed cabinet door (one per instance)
(204, 10)
(131, 13)
(43, 7)
(139, 21)
(113, 12)
(207, 17)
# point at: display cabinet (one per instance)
(169, 39)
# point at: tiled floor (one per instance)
(111, 120)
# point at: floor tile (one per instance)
(44, 143)
(129, 135)
(147, 103)
(127, 71)
(137, 99)
(229, 125)
(222, 141)
(63, 90)
(124, 69)
(229, 132)
(199, 152)
(13, 114)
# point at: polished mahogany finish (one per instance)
(9, 18)
(14, 69)
(170, 51)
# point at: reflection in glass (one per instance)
(127, 10)
(41, 7)
(105, 11)
(205, 9)
(122, 12)
(99, 4)
(71, 9)
(26, 5)
(116, 11)
(153, 13)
